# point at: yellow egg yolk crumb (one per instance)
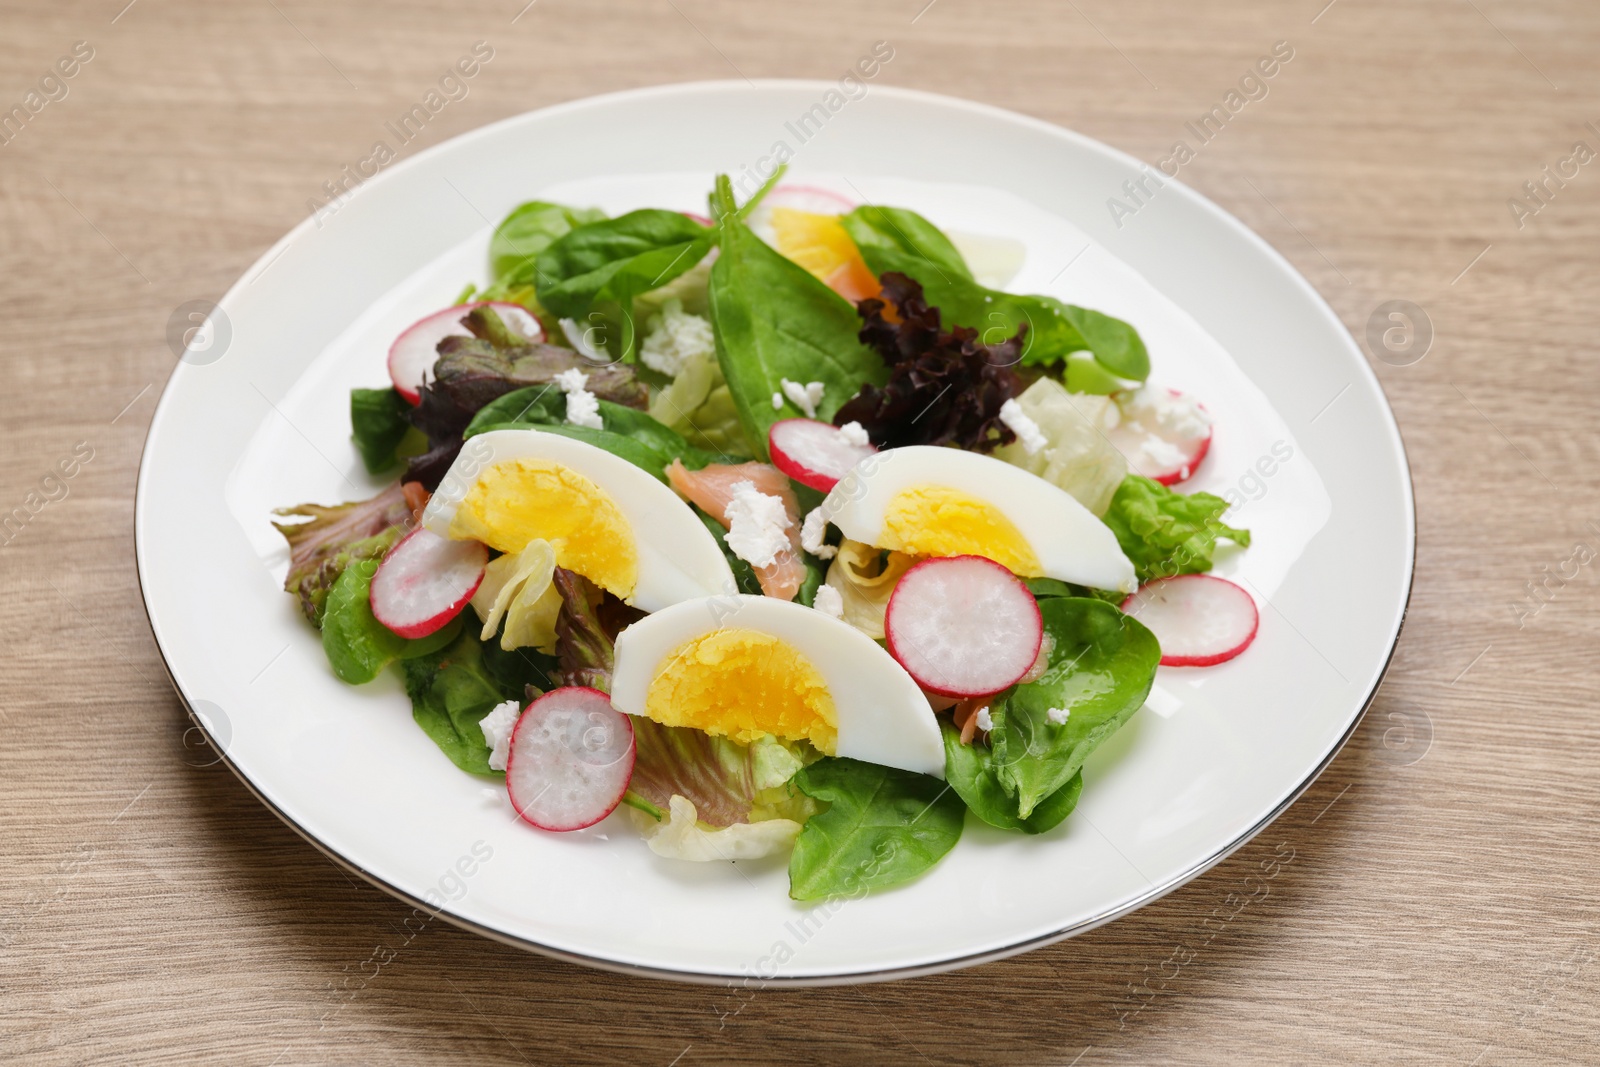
(516, 501)
(936, 520)
(742, 685)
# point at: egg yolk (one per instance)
(743, 685)
(518, 500)
(936, 520)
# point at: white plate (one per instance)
(260, 420)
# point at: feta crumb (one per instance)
(805, 397)
(496, 727)
(829, 602)
(1027, 431)
(583, 408)
(675, 337)
(1058, 715)
(758, 525)
(985, 720)
(853, 433)
(1174, 414)
(1162, 453)
(812, 532)
(578, 338)
(777, 401)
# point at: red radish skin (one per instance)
(425, 581)
(416, 350)
(570, 760)
(1199, 619)
(1179, 454)
(963, 626)
(814, 453)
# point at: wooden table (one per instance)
(1441, 903)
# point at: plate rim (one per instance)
(851, 977)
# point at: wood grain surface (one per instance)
(1440, 906)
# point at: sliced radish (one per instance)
(963, 626)
(1199, 619)
(570, 761)
(425, 581)
(1162, 433)
(816, 453)
(416, 350)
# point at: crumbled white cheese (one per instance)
(812, 532)
(805, 397)
(496, 727)
(985, 720)
(854, 434)
(578, 338)
(758, 525)
(1027, 431)
(777, 401)
(829, 602)
(1058, 715)
(1163, 454)
(676, 336)
(1174, 415)
(583, 409)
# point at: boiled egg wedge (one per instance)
(929, 501)
(607, 519)
(745, 666)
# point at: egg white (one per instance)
(883, 717)
(678, 558)
(1071, 544)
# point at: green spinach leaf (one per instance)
(645, 440)
(894, 234)
(614, 260)
(883, 827)
(451, 690)
(894, 239)
(774, 320)
(528, 230)
(1165, 534)
(1102, 664)
(359, 646)
(970, 771)
(378, 424)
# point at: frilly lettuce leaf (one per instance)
(1165, 533)
(335, 537)
(682, 836)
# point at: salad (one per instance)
(785, 529)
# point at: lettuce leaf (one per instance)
(944, 385)
(335, 537)
(971, 771)
(685, 836)
(358, 646)
(528, 230)
(1102, 664)
(882, 827)
(451, 690)
(378, 424)
(473, 371)
(901, 241)
(1164, 533)
(628, 432)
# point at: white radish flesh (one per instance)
(571, 759)
(1163, 434)
(963, 626)
(416, 350)
(814, 453)
(425, 581)
(1199, 619)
